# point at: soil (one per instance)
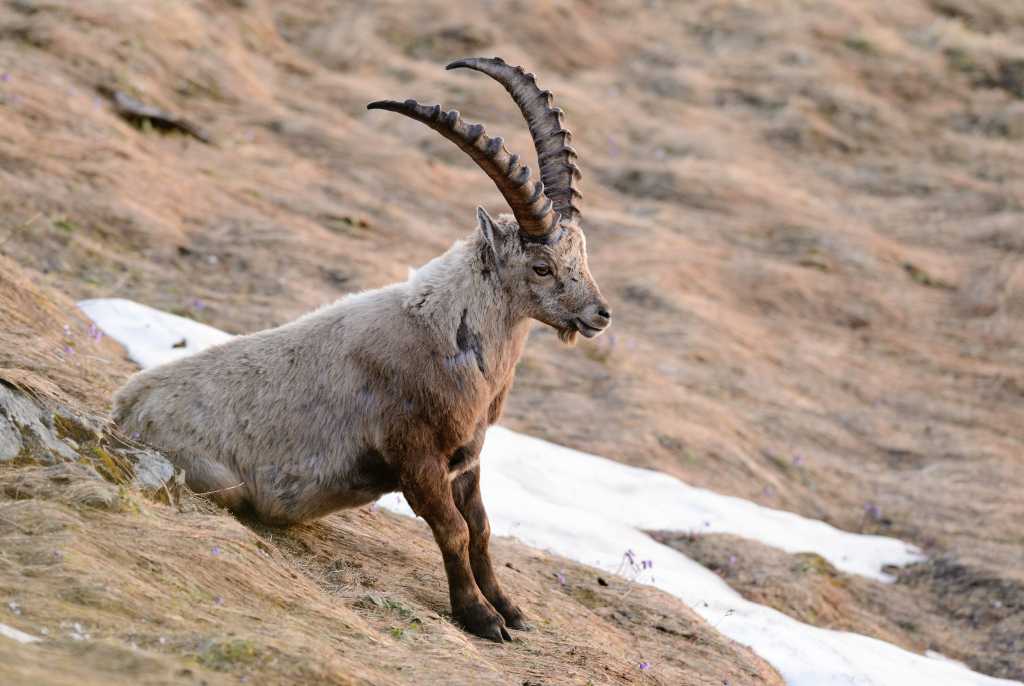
(809, 218)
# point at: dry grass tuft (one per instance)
(75, 485)
(51, 349)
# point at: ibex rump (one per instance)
(393, 389)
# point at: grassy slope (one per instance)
(807, 216)
(127, 590)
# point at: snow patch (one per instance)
(936, 655)
(150, 336)
(592, 510)
(649, 500)
(15, 635)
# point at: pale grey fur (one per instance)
(340, 406)
(393, 388)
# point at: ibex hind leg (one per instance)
(217, 482)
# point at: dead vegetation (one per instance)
(48, 347)
(125, 588)
(807, 216)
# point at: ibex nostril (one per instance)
(603, 312)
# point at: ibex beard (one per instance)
(393, 389)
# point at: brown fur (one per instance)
(385, 390)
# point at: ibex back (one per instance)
(394, 389)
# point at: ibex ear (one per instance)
(492, 233)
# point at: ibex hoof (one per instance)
(484, 622)
(519, 624)
(514, 619)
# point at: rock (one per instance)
(16, 407)
(152, 470)
(10, 440)
(35, 425)
(58, 438)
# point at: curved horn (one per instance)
(557, 159)
(532, 210)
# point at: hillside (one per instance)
(807, 216)
(122, 576)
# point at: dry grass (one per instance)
(807, 217)
(124, 589)
(47, 346)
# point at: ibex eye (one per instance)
(542, 270)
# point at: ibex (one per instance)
(393, 389)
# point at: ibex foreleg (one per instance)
(466, 490)
(429, 493)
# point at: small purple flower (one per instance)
(68, 350)
(218, 601)
(560, 577)
(732, 560)
(873, 511)
(613, 147)
(198, 304)
(647, 564)
(215, 551)
(768, 492)
(95, 333)
(136, 436)
(67, 330)
(644, 666)
(798, 461)
(5, 77)
(631, 556)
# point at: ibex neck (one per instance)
(461, 301)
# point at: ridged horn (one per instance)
(557, 159)
(532, 210)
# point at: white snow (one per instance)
(15, 635)
(593, 510)
(935, 655)
(649, 500)
(150, 339)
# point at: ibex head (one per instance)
(540, 258)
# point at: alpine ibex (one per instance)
(393, 389)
